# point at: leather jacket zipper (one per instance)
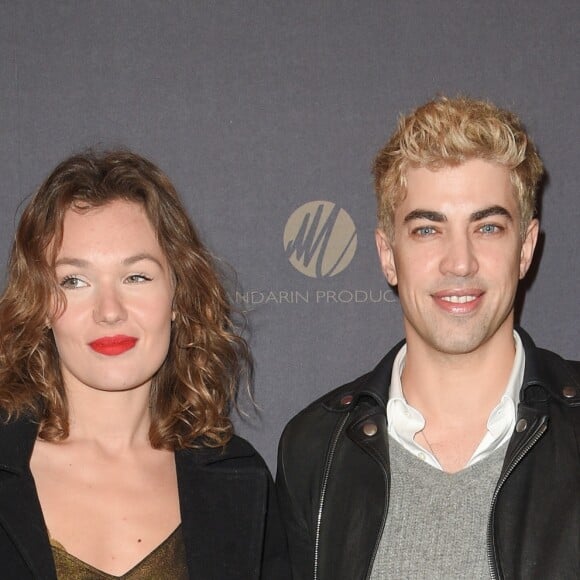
(534, 438)
(327, 467)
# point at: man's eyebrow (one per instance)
(425, 214)
(435, 216)
(490, 211)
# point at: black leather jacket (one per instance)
(333, 478)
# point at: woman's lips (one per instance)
(113, 345)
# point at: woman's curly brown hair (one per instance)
(193, 391)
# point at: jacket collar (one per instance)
(20, 510)
(373, 385)
(546, 375)
(222, 495)
(236, 448)
(16, 444)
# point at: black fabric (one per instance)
(230, 518)
(333, 478)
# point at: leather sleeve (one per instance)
(298, 531)
(275, 564)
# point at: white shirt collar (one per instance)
(404, 421)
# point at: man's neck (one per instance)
(457, 387)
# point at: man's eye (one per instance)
(72, 282)
(489, 229)
(137, 279)
(424, 231)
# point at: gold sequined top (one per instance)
(166, 562)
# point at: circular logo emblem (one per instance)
(320, 239)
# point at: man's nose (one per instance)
(460, 257)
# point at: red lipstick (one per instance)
(113, 345)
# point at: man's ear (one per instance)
(528, 247)
(386, 256)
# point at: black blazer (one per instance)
(229, 514)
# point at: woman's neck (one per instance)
(113, 420)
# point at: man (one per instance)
(458, 455)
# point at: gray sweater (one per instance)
(436, 523)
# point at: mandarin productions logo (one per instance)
(320, 239)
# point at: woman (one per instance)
(118, 365)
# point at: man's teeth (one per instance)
(458, 299)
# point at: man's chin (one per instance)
(464, 341)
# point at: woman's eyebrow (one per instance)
(77, 262)
(139, 258)
(80, 263)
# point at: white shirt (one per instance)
(405, 421)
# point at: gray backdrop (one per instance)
(255, 108)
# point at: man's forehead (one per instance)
(477, 181)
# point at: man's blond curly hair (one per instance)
(448, 132)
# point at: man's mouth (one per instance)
(459, 299)
(459, 302)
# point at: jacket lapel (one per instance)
(222, 499)
(363, 494)
(20, 512)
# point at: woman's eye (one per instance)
(137, 279)
(72, 282)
